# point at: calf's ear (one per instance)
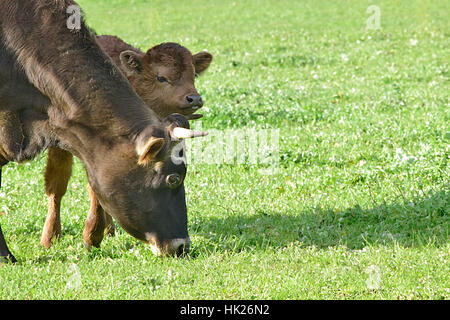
(150, 149)
(131, 61)
(202, 60)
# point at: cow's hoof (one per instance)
(46, 243)
(8, 259)
(48, 237)
(87, 246)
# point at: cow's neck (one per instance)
(86, 88)
(89, 95)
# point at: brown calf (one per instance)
(162, 77)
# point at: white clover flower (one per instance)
(413, 42)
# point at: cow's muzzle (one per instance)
(173, 247)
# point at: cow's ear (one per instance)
(202, 60)
(150, 150)
(131, 61)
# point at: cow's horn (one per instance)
(183, 133)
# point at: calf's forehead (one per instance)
(173, 58)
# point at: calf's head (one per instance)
(143, 188)
(164, 77)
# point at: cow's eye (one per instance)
(162, 79)
(173, 180)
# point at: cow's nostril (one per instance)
(189, 99)
(179, 247)
(182, 249)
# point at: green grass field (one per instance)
(359, 204)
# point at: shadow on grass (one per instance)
(415, 222)
(409, 223)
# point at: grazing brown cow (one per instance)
(58, 88)
(163, 78)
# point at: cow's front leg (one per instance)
(57, 175)
(97, 222)
(5, 254)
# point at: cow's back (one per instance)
(113, 46)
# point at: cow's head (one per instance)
(143, 188)
(164, 77)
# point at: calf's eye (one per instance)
(162, 79)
